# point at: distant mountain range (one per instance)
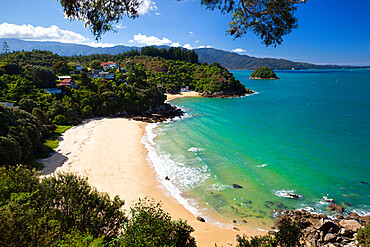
(229, 60)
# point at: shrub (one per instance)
(59, 210)
(363, 235)
(149, 225)
(289, 235)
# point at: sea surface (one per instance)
(307, 133)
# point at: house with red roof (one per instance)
(109, 65)
(67, 82)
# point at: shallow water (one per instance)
(307, 133)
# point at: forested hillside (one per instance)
(229, 60)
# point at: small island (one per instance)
(263, 73)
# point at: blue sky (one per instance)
(329, 31)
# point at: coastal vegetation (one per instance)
(263, 73)
(64, 210)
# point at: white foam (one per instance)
(195, 150)
(182, 178)
(284, 193)
(263, 165)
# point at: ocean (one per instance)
(307, 133)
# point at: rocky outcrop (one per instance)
(227, 94)
(336, 207)
(163, 113)
(318, 230)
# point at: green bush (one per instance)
(289, 235)
(54, 210)
(363, 235)
(149, 225)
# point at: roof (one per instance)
(66, 84)
(66, 81)
(64, 77)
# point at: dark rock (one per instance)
(348, 217)
(354, 216)
(244, 221)
(329, 226)
(201, 219)
(227, 94)
(237, 229)
(336, 207)
(338, 216)
(167, 178)
(234, 221)
(323, 216)
(365, 218)
(330, 237)
(237, 186)
(362, 182)
(348, 204)
(295, 196)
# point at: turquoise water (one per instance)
(307, 133)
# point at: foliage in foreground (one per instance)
(57, 210)
(63, 210)
(363, 235)
(289, 235)
(149, 225)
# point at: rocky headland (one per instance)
(320, 230)
(227, 94)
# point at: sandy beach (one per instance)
(110, 153)
(182, 95)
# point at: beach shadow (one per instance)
(52, 163)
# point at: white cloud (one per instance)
(29, 32)
(188, 46)
(239, 50)
(150, 40)
(202, 46)
(156, 13)
(146, 6)
(197, 41)
(191, 33)
(95, 44)
(175, 44)
(119, 26)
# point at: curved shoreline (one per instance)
(110, 153)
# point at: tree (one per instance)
(6, 49)
(60, 210)
(96, 64)
(61, 67)
(43, 77)
(270, 20)
(149, 225)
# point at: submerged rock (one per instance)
(237, 186)
(336, 207)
